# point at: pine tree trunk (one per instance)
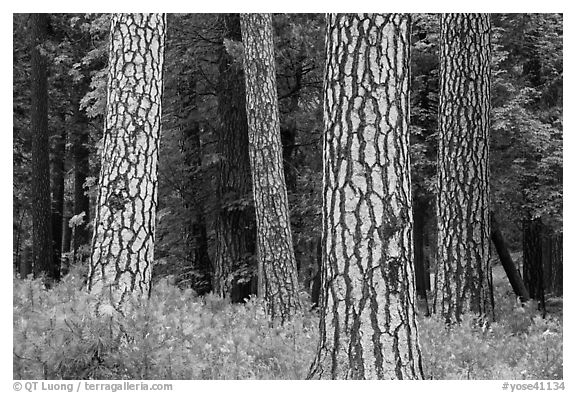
(368, 322)
(278, 278)
(123, 241)
(463, 170)
(42, 249)
(235, 223)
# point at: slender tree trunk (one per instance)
(235, 223)
(532, 258)
(289, 129)
(81, 156)
(420, 266)
(195, 226)
(463, 181)
(557, 264)
(42, 250)
(58, 174)
(368, 320)
(509, 267)
(276, 262)
(123, 241)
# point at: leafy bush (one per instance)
(172, 335)
(177, 335)
(521, 345)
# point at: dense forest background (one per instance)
(526, 137)
(203, 177)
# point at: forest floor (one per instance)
(177, 335)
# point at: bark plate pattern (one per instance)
(463, 183)
(368, 327)
(123, 240)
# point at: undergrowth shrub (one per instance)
(172, 335)
(520, 345)
(177, 335)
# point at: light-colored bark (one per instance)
(278, 277)
(123, 240)
(463, 182)
(367, 328)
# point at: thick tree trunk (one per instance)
(58, 174)
(123, 241)
(42, 250)
(463, 171)
(278, 278)
(509, 267)
(235, 223)
(368, 321)
(421, 268)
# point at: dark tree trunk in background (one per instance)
(509, 267)
(278, 275)
(124, 227)
(195, 225)
(421, 265)
(556, 262)
(552, 262)
(532, 256)
(235, 223)
(66, 236)
(317, 279)
(58, 175)
(81, 156)
(463, 167)
(42, 249)
(367, 318)
(289, 128)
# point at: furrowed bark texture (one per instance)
(368, 326)
(235, 222)
(123, 240)
(278, 277)
(42, 253)
(463, 183)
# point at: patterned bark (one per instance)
(41, 218)
(463, 187)
(235, 223)
(368, 326)
(278, 277)
(123, 240)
